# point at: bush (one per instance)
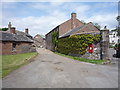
(76, 44)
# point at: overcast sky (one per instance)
(41, 17)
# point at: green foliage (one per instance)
(97, 38)
(76, 44)
(118, 18)
(12, 62)
(116, 46)
(55, 38)
(3, 29)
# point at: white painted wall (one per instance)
(113, 38)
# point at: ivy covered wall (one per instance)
(76, 44)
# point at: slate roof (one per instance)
(71, 31)
(14, 37)
(22, 33)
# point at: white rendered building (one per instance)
(113, 37)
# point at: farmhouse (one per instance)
(14, 41)
(73, 27)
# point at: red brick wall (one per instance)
(68, 25)
(90, 28)
(7, 48)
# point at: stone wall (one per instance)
(95, 54)
(105, 44)
(49, 44)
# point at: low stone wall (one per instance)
(95, 54)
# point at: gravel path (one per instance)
(53, 71)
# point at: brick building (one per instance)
(71, 27)
(14, 41)
(74, 26)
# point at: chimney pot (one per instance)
(9, 26)
(105, 27)
(26, 30)
(12, 30)
(73, 15)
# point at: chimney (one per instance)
(105, 27)
(9, 26)
(12, 30)
(26, 30)
(73, 17)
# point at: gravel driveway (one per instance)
(53, 71)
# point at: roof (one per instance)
(52, 30)
(14, 37)
(70, 32)
(39, 35)
(22, 33)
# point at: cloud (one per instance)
(40, 25)
(81, 9)
(55, 14)
(40, 6)
(104, 19)
(60, 0)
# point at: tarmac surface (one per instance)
(49, 70)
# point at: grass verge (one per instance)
(13, 62)
(93, 61)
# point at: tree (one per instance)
(97, 25)
(118, 18)
(3, 29)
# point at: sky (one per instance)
(42, 17)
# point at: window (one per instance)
(114, 36)
(14, 47)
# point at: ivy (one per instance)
(55, 39)
(76, 44)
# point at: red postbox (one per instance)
(90, 48)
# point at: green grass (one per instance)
(83, 59)
(12, 62)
